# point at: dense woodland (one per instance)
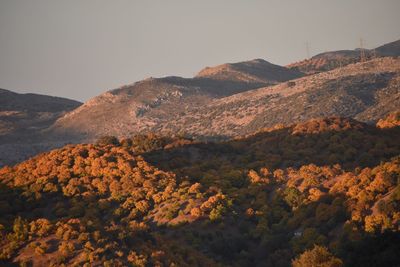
(324, 193)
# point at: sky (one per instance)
(81, 48)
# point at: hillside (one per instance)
(224, 101)
(334, 59)
(146, 104)
(260, 200)
(22, 117)
(365, 91)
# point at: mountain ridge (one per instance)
(372, 86)
(330, 60)
(10, 100)
(23, 117)
(146, 102)
(258, 70)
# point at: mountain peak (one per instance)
(256, 70)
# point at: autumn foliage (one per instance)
(325, 192)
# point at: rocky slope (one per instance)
(221, 100)
(142, 106)
(366, 91)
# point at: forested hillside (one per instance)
(326, 189)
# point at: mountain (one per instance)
(365, 91)
(34, 102)
(257, 70)
(146, 104)
(220, 102)
(23, 116)
(261, 200)
(204, 107)
(335, 59)
(30, 111)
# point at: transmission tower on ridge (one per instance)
(308, 50)
(362, 51)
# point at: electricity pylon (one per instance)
(362, 51)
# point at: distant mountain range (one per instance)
(23, 117)
(219, 102)
(20, 113)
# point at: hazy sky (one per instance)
(81, 48)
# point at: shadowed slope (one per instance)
(22, 117)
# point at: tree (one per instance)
(40, 227)
(317, 257)
(107, 140)
(20, 229)
(66, 248)
(293, 197)
(217, 212)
